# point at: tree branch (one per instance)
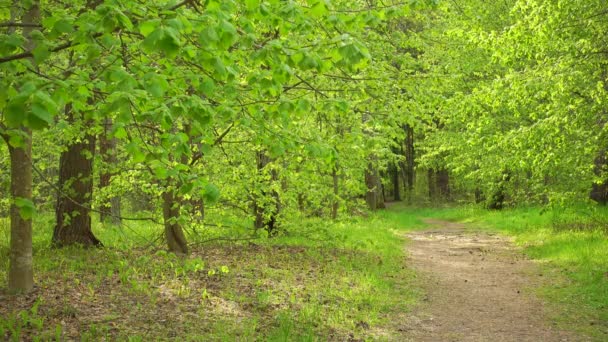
(14, 24)
(56, 49)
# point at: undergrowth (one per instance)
(319, 280)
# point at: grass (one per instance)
(572, 246)
(320, 280)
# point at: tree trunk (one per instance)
(73, 212)
(264, 219)
(174, 234)
(497, 197)
(109, 210)
(479, 197)
(432, 184)
(373, 196)
(20, 274)
(443, 184)
(396, 187)
(599, 192)
(381, 195)
(409, 157)
(336, 200)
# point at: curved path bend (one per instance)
(477, 288)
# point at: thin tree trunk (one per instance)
(110, 210)
(370, 183)
(432, 184)
(174, 233)
(373, 196)
(409, 157)
(73, 214)
(381, 193)
(20, 274)
(336, 200)
(265, 215)
(599, 192)
(497, 197)
(396, 187)
(443, 184)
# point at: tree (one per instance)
(74, 200)
(16, 131)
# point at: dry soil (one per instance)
(478, 287)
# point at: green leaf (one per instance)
(27, 209)
(227, 35)
(252, 4)
(155, 85)
(186, 188)
(124, 21)
(16, 140)
(41, 53)
(319, 9)
(14, 113)
(39, 117)
(207, 87)
(161, 172)
(209, 36)
(211, 193)
(120, 132)
(63, 26)
(148, 27)
(135, 152)
(170, 42)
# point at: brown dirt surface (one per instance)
(478, 287)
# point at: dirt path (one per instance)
(477, 288)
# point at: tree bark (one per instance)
(373, 196)
(396, 186)
(432, 185)
(174, 233)
(20, 269)
(109, 210)
(443, 184)
(497, 197)
(263, 218)
(20, 274)
(336, 199)
(599, 192)
(409, 157)
(73, 214)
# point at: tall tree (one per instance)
(18, 136)
(73, 209)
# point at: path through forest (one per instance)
(478, 288)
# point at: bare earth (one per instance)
(478, 288)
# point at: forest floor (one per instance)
(478, 287)
(517, 275)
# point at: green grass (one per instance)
(320, 280)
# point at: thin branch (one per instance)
(56, 49)
(14, 24)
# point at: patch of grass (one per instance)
(319, 280)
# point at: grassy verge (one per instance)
(323, 280)
(572, 246)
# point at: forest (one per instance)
(282, 170)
